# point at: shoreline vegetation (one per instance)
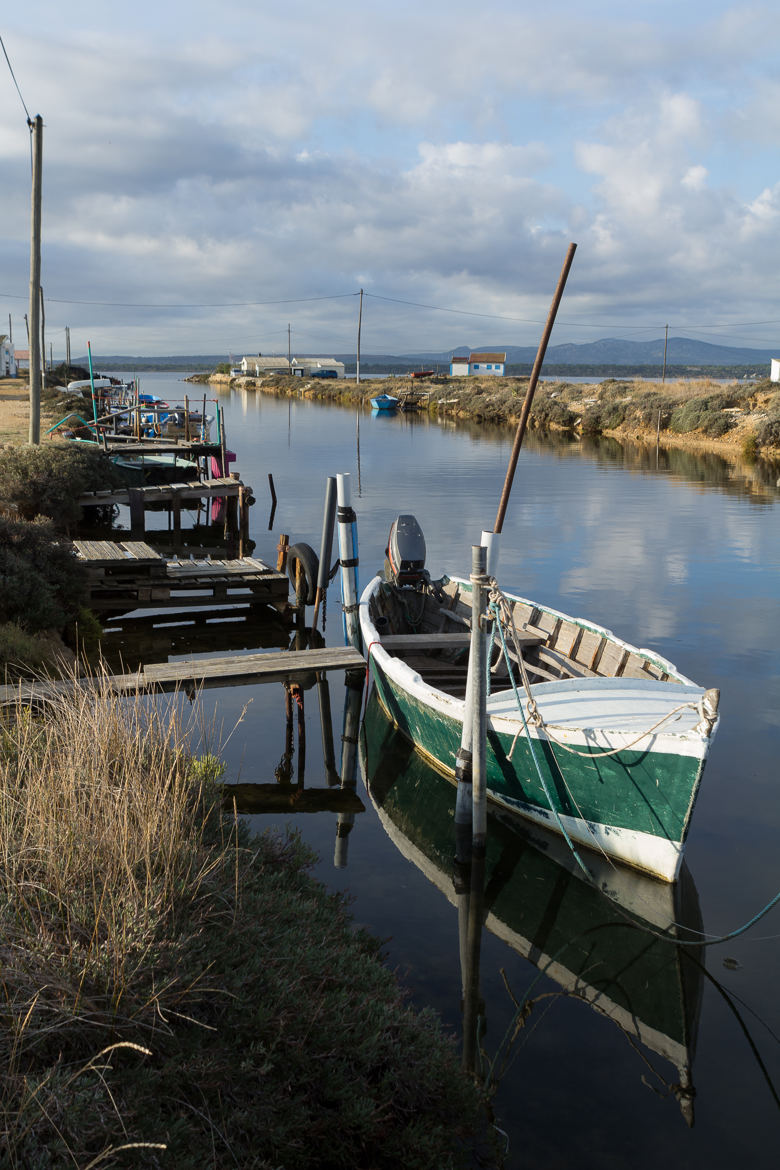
(738, 420)
(179, 993)
(175, 991)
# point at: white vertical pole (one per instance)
(348, 560)
(477, 671)
(492, 542)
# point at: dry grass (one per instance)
(176, 993)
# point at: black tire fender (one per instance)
(304, 555)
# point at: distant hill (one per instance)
(615, 351)
(608, 352)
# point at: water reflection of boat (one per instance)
(594, 941)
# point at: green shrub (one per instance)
(750, 448)
(768, 433)
(46, 480)
(23, 654)
(553, 412)
(42, 585)
(604, 416)
(703, 414)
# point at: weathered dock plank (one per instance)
(225, 487)
(196, 673)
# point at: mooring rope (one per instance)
(498, 604)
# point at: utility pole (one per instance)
(666, 342)
(43, 341)
(36, 128)
(289, 349)
(67, 345)
(10, 330)
(360, 321)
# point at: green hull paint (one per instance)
(538, 904)
(633, 790)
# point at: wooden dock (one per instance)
(128, 575)
(194, 674)
(176, 496)
(226, 487)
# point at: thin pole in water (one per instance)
(532, 388)
(478, 695)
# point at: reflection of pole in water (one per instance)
(357, 416)
(349, 742)
(471, 917)
(326, 727)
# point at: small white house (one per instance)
(318, 367)
(313, 367)
(481, 364)
(774, 372)
(255, 365)
(7, 358)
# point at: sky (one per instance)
(216, 173)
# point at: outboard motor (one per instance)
(405, 553)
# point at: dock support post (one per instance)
(137, 514)
(243, 520)
(176, 510)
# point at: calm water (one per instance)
(673, 552)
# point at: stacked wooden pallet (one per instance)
(128, 575)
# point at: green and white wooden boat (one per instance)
(610, 940)
(605, 744)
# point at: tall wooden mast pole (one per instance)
(532, 388)
(36, 128)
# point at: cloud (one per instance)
(246, 153)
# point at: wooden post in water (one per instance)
(478, 695)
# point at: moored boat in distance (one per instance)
(384, 402)
(587, 735)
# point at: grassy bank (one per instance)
(740, 419)
(178, 994)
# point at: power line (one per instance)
(165, 305)
(16, 83)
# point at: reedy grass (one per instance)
(174, 992)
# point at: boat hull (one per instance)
(629, 796)
(587, 935)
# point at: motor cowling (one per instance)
(405, 552)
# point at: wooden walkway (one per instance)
(128, 575)
(193, 674)
(165, 493)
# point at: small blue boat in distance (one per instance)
(384, 402)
